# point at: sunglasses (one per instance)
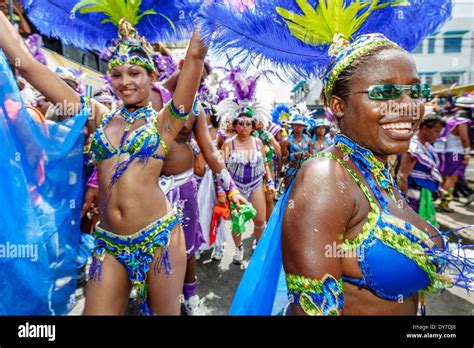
(393, 91)
(242, 123)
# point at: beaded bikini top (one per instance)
(397, 259)
(142, 143)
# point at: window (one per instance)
(429, 80)
(452, 44)
(72, 53)
(418, 49)
(450, 79)
(103, 66)
(89, 60)
(431, 46)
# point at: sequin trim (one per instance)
(316, 297)
(175, 112)
(136, 252)
(395, 233)
(345, 58)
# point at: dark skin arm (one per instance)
(463, 131)
(285, 146)
(187, 85)
(199, 165)
(211, 154)
(268, 172)
(276, 145)
(407, 163)
(322, 220)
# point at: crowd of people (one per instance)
(175, 153)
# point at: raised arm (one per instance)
(212, 155)
(276, 146)
(175, 113)
(270, 183)
(38, 75)
(310, 147)
(285, 151)
(216, 162)
(316, 216)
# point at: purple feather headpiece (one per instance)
(80, 76)
(108, 87)
(165, 66)
(34, 42)
(244, 99)
(245, 86)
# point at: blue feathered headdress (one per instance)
(297, 35)
(281, 111)
(157, 20)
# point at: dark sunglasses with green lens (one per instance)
(393, 91)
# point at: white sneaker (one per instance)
(217, 253)
(239, 254)
(254, 244)
(197, 255)
(193, 306)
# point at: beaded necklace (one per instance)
(369, 166)
(132, 117)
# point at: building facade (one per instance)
(446, 58)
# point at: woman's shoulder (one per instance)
(229, 140)
(324, 171)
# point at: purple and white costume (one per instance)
(183, 189)
(453, 151)
(425, 174)
(274, 129)
(247, 175)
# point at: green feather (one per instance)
(115, 10)
(318, 26)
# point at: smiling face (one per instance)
(383, 126)
(132, 83)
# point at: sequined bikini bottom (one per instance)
(136, 252)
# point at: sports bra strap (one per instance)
(359, 182)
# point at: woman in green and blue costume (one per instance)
(139, 236)
(356, 247)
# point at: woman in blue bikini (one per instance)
(296, 148)
(343, 239)
(139, 236)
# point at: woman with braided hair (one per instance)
(342, 239)
(138, 238)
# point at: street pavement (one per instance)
(218, 280)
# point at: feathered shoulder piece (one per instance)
(304, 37)
(92, 24)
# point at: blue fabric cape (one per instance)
(40, 205)
(262, 290)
